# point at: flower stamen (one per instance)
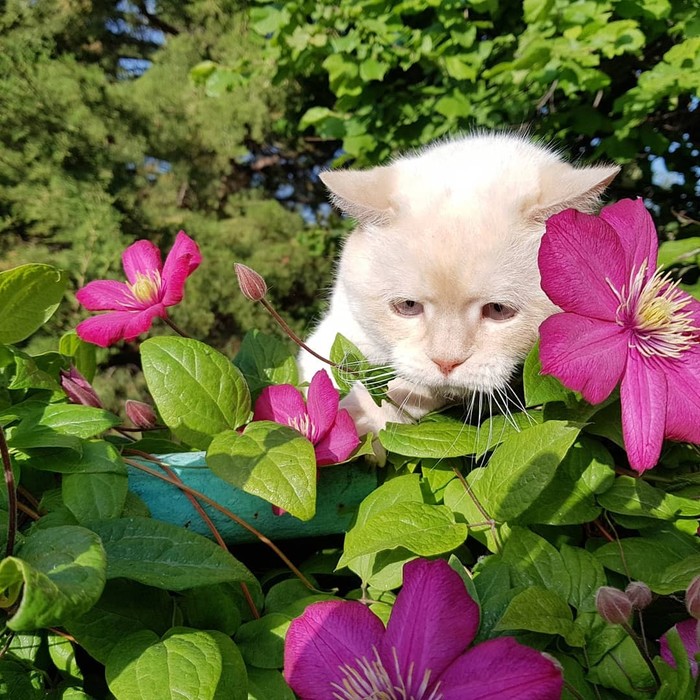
(655, 310)
(147, 287)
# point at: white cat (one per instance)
(439, 280)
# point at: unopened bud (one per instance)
(613, 605)
(251, 283)
(141, 414)
(692, 599)
(78, 389)
(639, 594)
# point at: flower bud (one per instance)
(692, 599)
(613, 605)
(639, 594)
(251, 283)
(78, 389)
(141, 414)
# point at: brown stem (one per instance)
(11, 495)
(225, 511)
(61, 633)
(28, 511)
(217, 535)
(285, 327)
(570, 689)
(645, 654)
(603, 531)
(29, 497)
(177, 329)
(489, 520)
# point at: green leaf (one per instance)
(541, 388)
(371, 69)
(630, 496)
(623, 669)
(586, 574)
(433, 440)
(522, 466)
(124, 607)
(77, 420)
(271, 461)
(569, 498)
(355, 367)
(197, 390)
(59, 573)
(264, 684)
(62, 654)
(165, 556)
(402, 489)
(265, 360)
(29, 295)
(420, 528)
(212, 608)
(537, 10)
(18, 681)
(685, 251)
(97, 496)
(262, 641)
(648, 559)
(184, 663)
(535, 562)
(82, 355)
(91, 457)
(540, 610)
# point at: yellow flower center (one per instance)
(147, 287)
(656, 311)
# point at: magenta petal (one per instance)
(433, 621)
(112, 327)
(141, 258)
(579, 253)
(339, 442)
(182, 260)
(328, 636)
(586, 355)
(643, 395)
(322, 401)
(282, 404)
(107, 295)
(502, 668)
(635, 228)
(688, 632)
(683, 410)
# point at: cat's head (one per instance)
(441, 272)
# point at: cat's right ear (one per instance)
(366, 195)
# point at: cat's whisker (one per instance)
(519, 403)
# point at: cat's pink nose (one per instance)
(446, 366)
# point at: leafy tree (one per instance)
(104, 138)
(610, 79)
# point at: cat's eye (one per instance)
(498, 312)
(407, 307)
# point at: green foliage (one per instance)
(530, 501)
(607, 79)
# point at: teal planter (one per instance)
(340, 490)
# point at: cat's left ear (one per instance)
(563, 187)
(363, 194)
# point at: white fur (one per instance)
(454, 227)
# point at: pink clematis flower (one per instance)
(340, 649)
(623, 321)
(151, 288)
(688, 632)
(331, 431)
